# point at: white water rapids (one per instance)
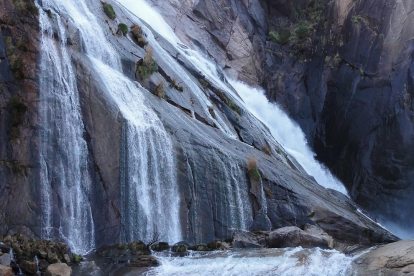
(269, 262)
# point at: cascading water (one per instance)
(231, 200)
(147, 174)
(282, 128)
(272, 262)
(63, 151)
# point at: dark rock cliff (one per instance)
(212, 167)
(342, 69)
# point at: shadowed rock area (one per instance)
(342, 69)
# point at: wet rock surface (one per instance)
(392, 259)
(211, 165)
(348, 83)
(31, 255)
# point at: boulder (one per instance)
(391, 259)
(144, 261)
(250, 240)
(179, 248)
(162, 246)
(293, 237)
(5, 259)
(5, 271)
(58, 270)
(28, 267)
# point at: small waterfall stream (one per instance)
(281, 126)
(147, 173)
(63, 151)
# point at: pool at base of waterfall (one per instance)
(248, 262)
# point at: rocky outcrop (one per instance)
(342, 70)
(18, 113)
(217, 195)
(31, 255)
(392, 259)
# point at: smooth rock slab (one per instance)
(391, 259)
(58, 270)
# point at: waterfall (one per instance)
(230, 199)
(62, 149)
(148, 180)
(149, 190)
(287, 132)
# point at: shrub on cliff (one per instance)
(282, 37)
(27, 7)
(160, 91)
(138, 36)
(253, 171)
(109, 10)
(302, 31)
(148, 66)
(123, 28)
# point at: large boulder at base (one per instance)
(5, 259)
(5, 271)
(58, 270)
(293, 236)
(250, 240)
(388, 260)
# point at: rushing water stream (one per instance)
(269, 262)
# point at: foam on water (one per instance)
(277, 262)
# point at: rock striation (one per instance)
(217, 194)
(342, 69)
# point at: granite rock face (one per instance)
(392, 259)
(347, 81)
(213, 178)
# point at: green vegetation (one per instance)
(138, 36)
(176, 86)
(212, 113)
(282, 37)
(204, 83)
(253, 171)
(123, 28)
(302, 28)
(160, 91)
(148, 66)
(109, 10)
(15, 167)
(17, 110)
(229, 102)
(356, 19)
(14, 59)
(76, 258)
(302, 31)
(26, 7)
